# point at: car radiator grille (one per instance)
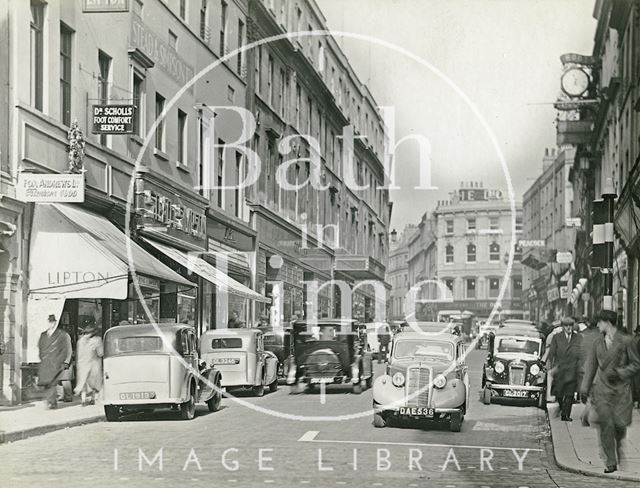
(418, 387)
(322, 370)
(516, 375)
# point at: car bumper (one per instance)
(327, 380)
(535, 388)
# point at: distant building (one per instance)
(548, 236)
(397, 272)
(422, 265)
(473, 237)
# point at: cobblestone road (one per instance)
(499, 446)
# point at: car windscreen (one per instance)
(226, 343)
(413, 348)
(524, 345)
(273, 339)
(128, 345)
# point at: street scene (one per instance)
(387, 243)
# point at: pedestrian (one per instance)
(384, 338)
(564, 363)
(54, 347)
(636, 379)
(610, 368)
(89, 365)
(589, 337)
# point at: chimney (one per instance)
(549, 158)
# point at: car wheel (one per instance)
(112, 413)
(379, 421)
(188, 408)
(258, 391)
(357, 388)
(456, 422)
(214, 402)
(274, 386)
(486, 395)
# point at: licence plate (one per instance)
(138, 395)
(417, 411)
(516, 393)
(321, 380)
(225, 361)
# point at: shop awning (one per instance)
(78, 254)
(199, 266)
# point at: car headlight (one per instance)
(440, 381)
(534, 370)
(499, 367)
(398, 379)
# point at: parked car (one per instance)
(513, 367)
(240, 356)
(426, 379)
(331, 351)
(433, 327)
(149, 367)
(279, 342)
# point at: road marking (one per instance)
(310, 436)
(504, 469)
(305, 482)
(341, 482)
(269, 481)
(323, 393)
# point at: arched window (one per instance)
(471, 253)
(494, 251)
(449, 253)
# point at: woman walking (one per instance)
(613, 362)
(89, 365)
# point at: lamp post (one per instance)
(603, 211)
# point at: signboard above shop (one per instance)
(52, 188)
(531, 243)
(112, 119)
(564, 257)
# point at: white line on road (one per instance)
(310, 436)
(323, 393)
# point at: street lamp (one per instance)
(394, 235)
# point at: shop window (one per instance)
(186, 307)
(138, 101)
(494, 223)
(494, 252)
(471, 253)
(494, 287)
(183, 9)
(470, 288)
(182, 137)
(517, 255)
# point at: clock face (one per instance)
(574, 82)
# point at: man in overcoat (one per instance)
(55, 351)
(564, 362)
(612, 363)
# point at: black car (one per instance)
(279, 341)
(513, 368)
(331, 351)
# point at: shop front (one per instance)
(291, 270)
(84, 270)
(365, 276)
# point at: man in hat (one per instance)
(564, 363)
(55, 351)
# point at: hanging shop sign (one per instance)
(113, 119)
(553, 294)
(564, 257)
(52, 188)
(105, 5)
(531, 243)
(564, 292)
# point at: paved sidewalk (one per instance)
(576, 447)
(31, 419)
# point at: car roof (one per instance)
(436, 336)
(146, 329)
(241, 332)
(320, 322)
(520, 331)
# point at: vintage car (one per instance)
(449, 327)
(426, 379)
(484, 333)
(240, 356)
(331, 351)
(149, 367)
(279, 342)
(513, 368)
